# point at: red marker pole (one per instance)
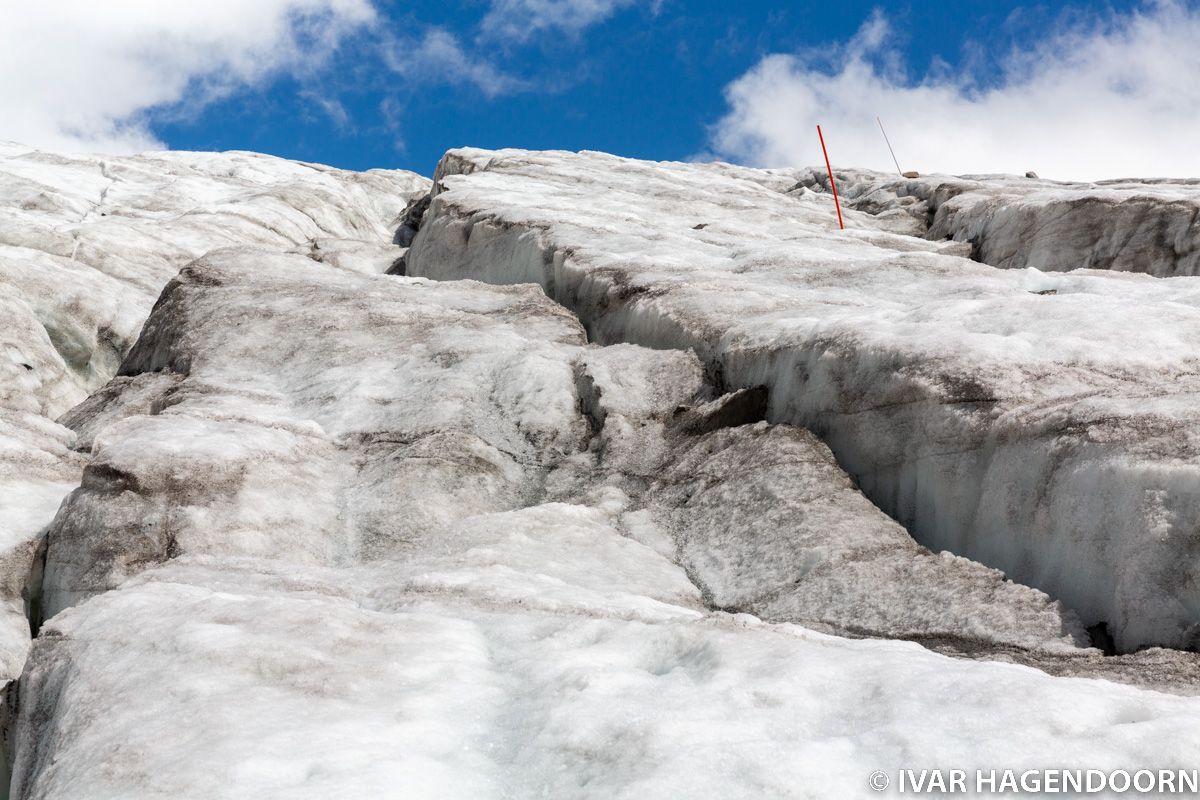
(832, 185)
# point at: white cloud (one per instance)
(439, 57)
(521, 20)
(1117, 97)
(82, 75)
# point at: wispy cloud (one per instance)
(391, 112)
(1106, 96)
(331, 107)
(439, 57)
(523, 20)
(84, 75)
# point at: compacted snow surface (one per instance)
(336, 533)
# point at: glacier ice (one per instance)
(89, 241)
(1039, 423)
(353, 535)
(1010, 222)
(239, 678)
(273, 408)
(335, 532)
(86, 243)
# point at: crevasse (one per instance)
(1045, 433)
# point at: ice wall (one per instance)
(1013, 223)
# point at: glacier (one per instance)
(422, 537)
(1037, 422)
(332, 418)
(1053, 226)
(570, 475)
(86, 244)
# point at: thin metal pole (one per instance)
(836, 203)
(889, 144)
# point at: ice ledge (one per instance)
(1146, 226)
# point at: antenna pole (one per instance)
(836, 203)
(889, 144)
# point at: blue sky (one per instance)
(383, 83)
(640, 84)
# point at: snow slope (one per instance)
(1039, 423)
(348, 535)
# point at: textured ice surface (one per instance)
(341, 534)
(86, 243)
(1040, 423)
(317, 416)
(1011, 222)
(37, 469)
(239, 678)
(274, 408)
(352, 535)
(766, 522)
